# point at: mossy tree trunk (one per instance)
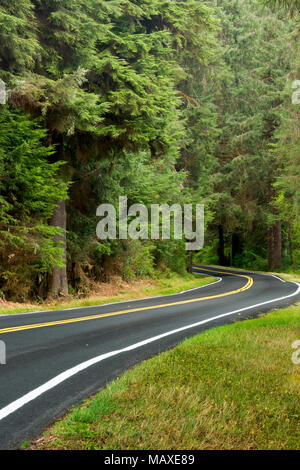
(275, 246)
(58, 282)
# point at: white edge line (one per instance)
(243, 271)
(11, 315)
(17, 404)
(200, 287)
(277, 277)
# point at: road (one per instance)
(57, 359)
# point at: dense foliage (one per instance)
(249, 95)
(29, 192)
(162, 101)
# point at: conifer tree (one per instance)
(287, 144)
(28, 192)
(249, 97)
(104, 78)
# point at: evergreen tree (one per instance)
(105, 80)
(28, 192)
(248, 97)
(287, 145)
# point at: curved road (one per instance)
(56, 359)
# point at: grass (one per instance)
(232, 387)
(290, 277)
(134, 290)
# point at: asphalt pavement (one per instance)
(58, 358)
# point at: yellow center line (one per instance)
(247, 286)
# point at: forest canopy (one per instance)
(165, 102)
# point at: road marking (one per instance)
(198, 288)
(247, 286)
(17, 404)
(19, 315)
(277, 277)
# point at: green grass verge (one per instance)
(289, 277)
(160, 286)
(232, 387)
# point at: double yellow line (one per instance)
(247, 286)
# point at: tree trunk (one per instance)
(190, 263)
(271, 247)
(58, 282)
(291, 251)
(221, 248)
(275, 246)
(236, 246)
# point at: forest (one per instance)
(161, 101)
